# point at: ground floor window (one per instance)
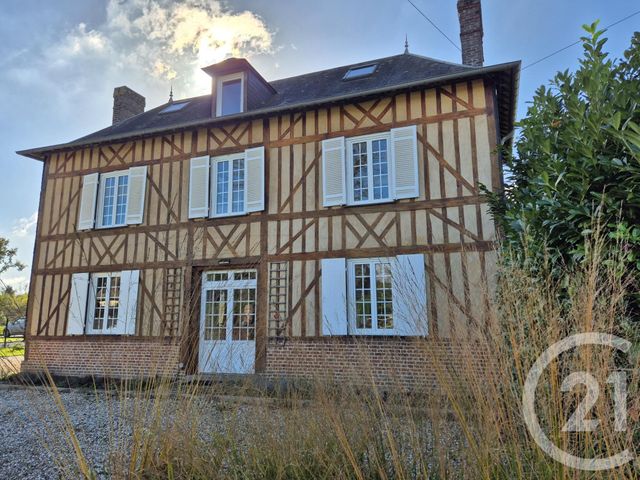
(374, 296)
(103, 303)
(106, 303)
(371, 295)
(229, 305)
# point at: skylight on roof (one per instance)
(357, 72)
(174, 107)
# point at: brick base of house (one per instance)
(388, 362)
(117, 358)
(408, 363)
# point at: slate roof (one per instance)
(322, 87)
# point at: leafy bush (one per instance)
(576, 166)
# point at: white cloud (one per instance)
(171, 39)
(25, 227)
(146, 44)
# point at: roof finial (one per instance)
(171, 94)
(406, 43)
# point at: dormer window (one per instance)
(230, 95)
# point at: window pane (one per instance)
(360, 172)
(215, 320)
(380, 168)
(108, 200)
(384, 303)
(101, 303)
(237, 192)
(244, 313)
(248, 275)
(217, 277)
(222, 188)
(114, 302)
(359, 72)
(363, 295)
(231, 97)
(121, 200)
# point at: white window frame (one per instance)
(215, 161)
(390, 168)
(91, 306)
(229, 284)
(351, 296)
(101, 192)
(222, 80)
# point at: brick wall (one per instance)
(103, 358)
(406, 362)
(470, 17)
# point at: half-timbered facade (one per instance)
(277, 228)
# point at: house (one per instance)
(276, 227)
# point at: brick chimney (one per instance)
(470, 15)
(126, 104)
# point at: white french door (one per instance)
(228, 322)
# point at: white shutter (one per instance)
(409, 294)
(129, 280)
(254, 187)
(334, 296)
(333, 172)
(88, 197)
(136, 192)
(78, 304)
(199, 187)
(404, 147)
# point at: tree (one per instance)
(12, 306)
(575, 165)
(8, 257)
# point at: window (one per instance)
(105, 307)
(229, 305)
(228, 186)
(112, 199)
(103, 303)
(358, 72)
(174, 107)
(112, 210)
(369, 169)
(371, 296)
(230, 95)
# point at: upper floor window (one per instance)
(230, 95)
(228, 186)
(376, 168)
(112, 211)
(368, 169)
(112, 199)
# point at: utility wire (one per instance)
(434, 25)
(578, 41)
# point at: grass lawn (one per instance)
(15, 345)
(12, 349)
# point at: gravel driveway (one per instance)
(30, 427)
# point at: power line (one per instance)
(578, 41)
(434, 25)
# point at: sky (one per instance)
(59, 61)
